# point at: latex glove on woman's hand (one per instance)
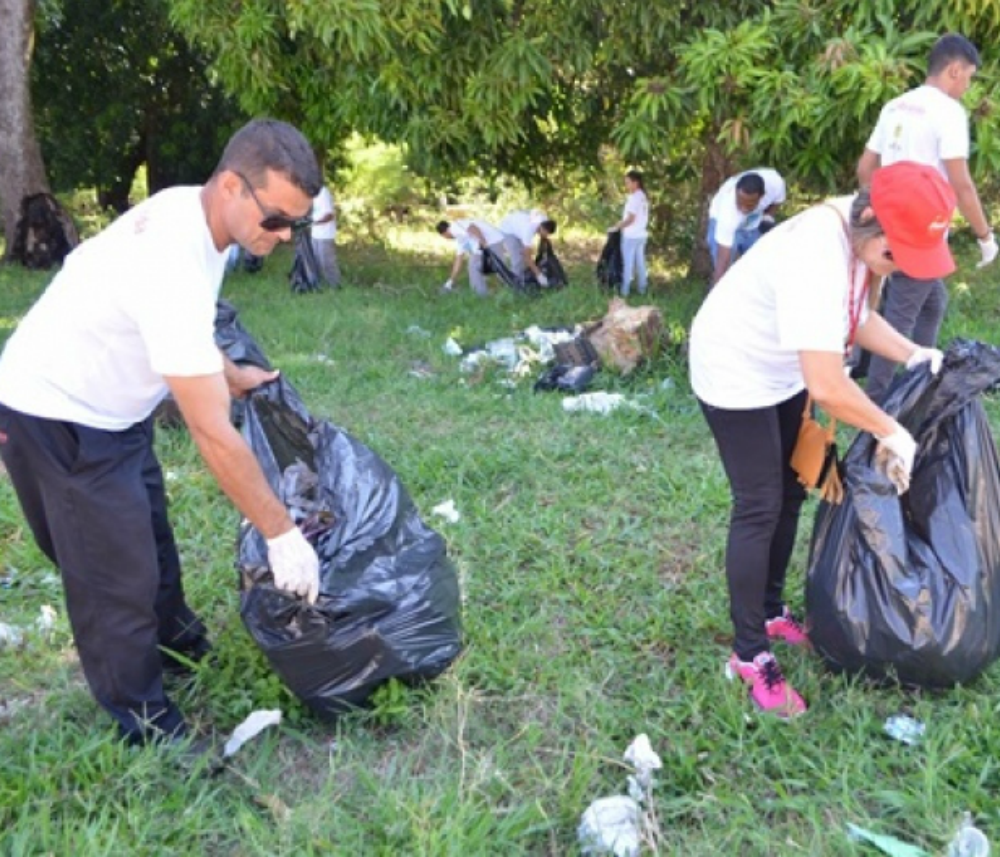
(895, 454)
(988, 250)
(920, 355)
(542, 280)
(294, 564)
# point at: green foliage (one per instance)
(115, 87)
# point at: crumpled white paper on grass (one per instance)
(256, 723)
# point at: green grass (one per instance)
(590, 552)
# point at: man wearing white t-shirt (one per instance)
(471, 237)
(323, 235)
(519, 229)
(927, 125)
(741, 211)
(129, 318)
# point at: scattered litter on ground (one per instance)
(170, 475)
(15, 636)
(46, 620)
(969, 841)
(905, 729)
(323, 358)
(420, 369)
(611, 826)
(417, 330)
(8, 578)
(452, 348)
(10, 636)
(447, 511)
(886, 844)
(620, 825)
(594, 403)
(251, 727)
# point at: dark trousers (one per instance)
(916, 309)
(96, 505)
(756, 447)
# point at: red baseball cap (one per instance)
(915, 204)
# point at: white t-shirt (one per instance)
(638, 205)
(923, 125)
(467, 244)
(728, 218)
(523, 225)
(130, 305)
(791, 294)
(323, 205)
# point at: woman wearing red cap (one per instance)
(777, 328)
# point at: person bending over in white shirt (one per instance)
(129, 318)
(519, 229)
(471, 237)
(776, 329)
(741, 211)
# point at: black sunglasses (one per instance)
(273, 222)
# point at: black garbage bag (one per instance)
(44, 234)
(909, 587)
(566, 378)
(389, 602)
(305, 275)
(610, 265)
(549, 264)
(493, 264)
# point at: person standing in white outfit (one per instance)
(634, 228)
(323, 235)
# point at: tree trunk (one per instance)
(21, 169)
(715, 170)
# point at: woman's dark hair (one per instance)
(269, 144)
(636, 176)
(549, 226)
(442, 227)
(862, 227)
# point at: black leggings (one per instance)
(756, 447)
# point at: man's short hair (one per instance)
(442, 227)
(549, 226)
(269, 144)
(948, 49)
(750, 183)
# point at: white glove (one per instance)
(294, 564)
(895, 454)
(615, 229)
(988, 249)
(448, 286)
(926, 355)
(542, 279)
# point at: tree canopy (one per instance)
(514, 87)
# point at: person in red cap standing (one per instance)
(776, 329)
(928, 125)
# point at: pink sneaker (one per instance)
(766, 685)
(786, 627)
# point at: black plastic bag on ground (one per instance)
(566, 379)
(549, 264)
(44, 234)
(909, 587)
(305, 274)
(493, 264)
(611, 265)
(389, 603)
